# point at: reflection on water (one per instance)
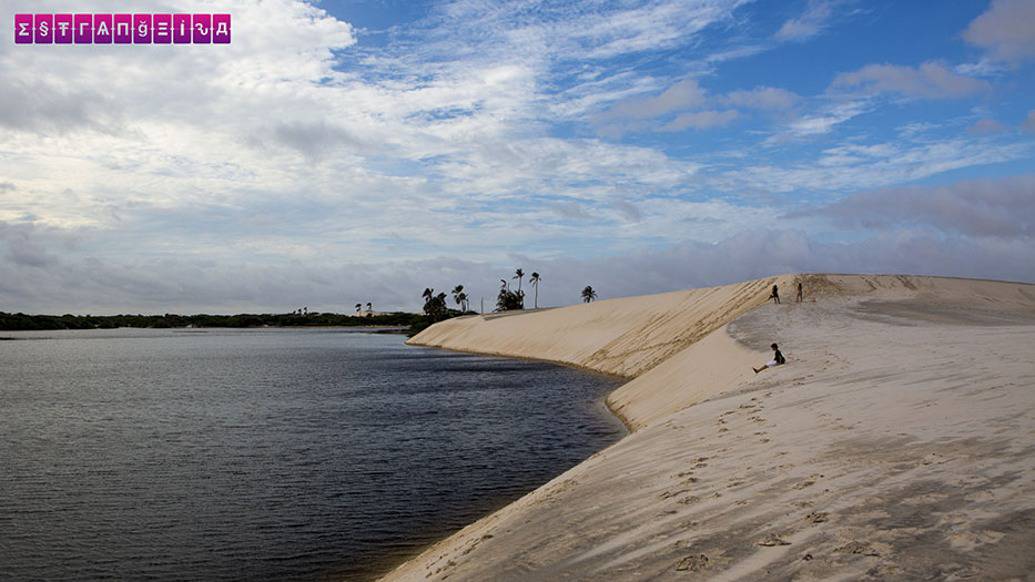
(287, 454)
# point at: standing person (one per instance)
(775, 295)
(778, 360)
(801, 293)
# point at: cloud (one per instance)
(82, 283)
(572, 211)
(986, 127)
(687, 105)
(310, 164)
(767, 98)
(685, 94)
(315, 139)
(700, 120)
(809, 24)
(931, 80)
(982, 68)
(628, 210)
(25, 249)
(51, 107)
(1029, 122)
(1005, 30)
(822, 122)
(1002, 207)
(852, 166)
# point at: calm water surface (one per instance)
(286, 454)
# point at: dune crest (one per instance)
(896, 443)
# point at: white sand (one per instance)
(899, 441)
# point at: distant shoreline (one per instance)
(25, 322)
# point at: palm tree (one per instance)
(457, 292)
(370, 309)
(534, 281)
(588, 294)
(504, 284)
(519, 275)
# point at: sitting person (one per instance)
(778, 360)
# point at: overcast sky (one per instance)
(354, 151)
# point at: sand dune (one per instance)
(897, 443)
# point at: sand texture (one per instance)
(898, 442)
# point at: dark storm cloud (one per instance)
(1003, 207)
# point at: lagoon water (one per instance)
(275, 454)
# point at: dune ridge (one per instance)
(719, 470)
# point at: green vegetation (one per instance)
(460, 297)
(21, 321)
(435, 309)
(534, 280)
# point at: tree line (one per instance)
(23, 322)
(436, 305)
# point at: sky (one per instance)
(344, 152)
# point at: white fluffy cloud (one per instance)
(809, 24)
(700, 120)
(686, 105)
(769, 98)
(931, 80)
(1005, 30)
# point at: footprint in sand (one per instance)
(857, 547)
(772, 540)
(671, 494)
(808, 482)
(817, 517)
(692, 563)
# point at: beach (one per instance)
(895, 444)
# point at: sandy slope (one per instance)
(898, 443)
